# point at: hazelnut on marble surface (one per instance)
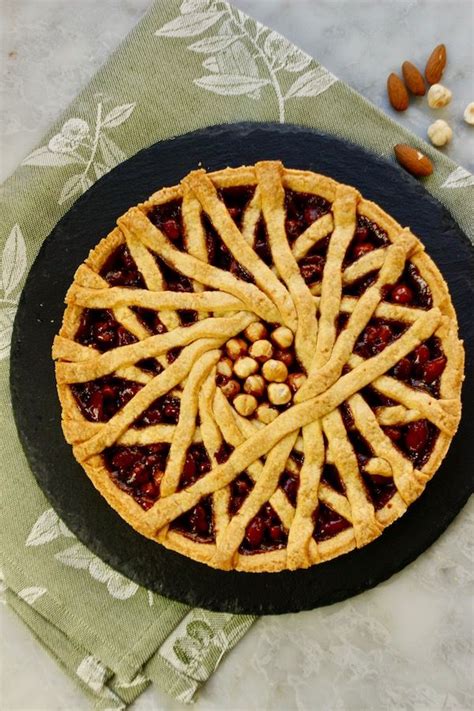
(235, 348)
(230, 389)
(282, 337)
(440, 133)
(469, 113)
(439, 96)
(255, 385)
(245, 404)
(266, 414)
(243, 367)
(296, 380)
(224, 367)
(279, 393)
(275, 371)
(255, 332)
(261, 350)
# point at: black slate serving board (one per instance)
(37, 411)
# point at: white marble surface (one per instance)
(408, 643)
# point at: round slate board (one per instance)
(36, 406)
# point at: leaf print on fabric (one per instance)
(312, 83)
(30, 595)
(92, 672)
(246, 58)
(459, 178)
(13, 260)
(190, 24)
(48, 527)
(79, 557)
(7, 316)
(80, 144)
(12, 270)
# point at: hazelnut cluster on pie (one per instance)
(258, 368)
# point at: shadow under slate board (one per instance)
(37, 413)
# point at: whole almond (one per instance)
(435, 65)
(413, 160)
(397, 93)
(413, 79)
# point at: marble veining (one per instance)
(408, 643)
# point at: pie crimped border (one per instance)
(302, 550)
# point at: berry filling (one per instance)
(357, 288)
(328, 523)
(367, 237)
(224, 452)
(138, 470)
(261, 244)
(197, 523)
(100, 399)
(410, 290)
(167, 218)
(290, 482)
(240, 488)
(120, 269)
(236, 200)
(150, 319)
(415, 440)
(264, 532)
(220, 256)
(380, 489)
(150, 365)
(330, 476)
(196, 464)
(423, 367)
(174, 281)
(164, 411)
(376, 336)
(99, 329)
(302, 210)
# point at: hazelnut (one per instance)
(243, 367)
(255, 385)
(286, 357)
(230, 389)
(469, 113)
(256, 331)
(236, 347)
(279, 393)
(440, 133)
(224, 367)
(266, 414)
(438, 96)
(245, 404)
(282, 337)
(261, 350)
(275, 371)
(296, 380)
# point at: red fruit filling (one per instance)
(330, 476)
(120, 269)
(289, 483)
(423, 367)
(328, 523)
(138, 470)
(163, 411)
(196, 464)
(415, 440)
(168, 219)
(197, 523)
(376, 336)
(264, 532)
(410, 290)
(240, 488)
(99, 329)
(302, 210)
(100, 399)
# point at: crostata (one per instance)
(258, 368)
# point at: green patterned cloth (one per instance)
(109, 634)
